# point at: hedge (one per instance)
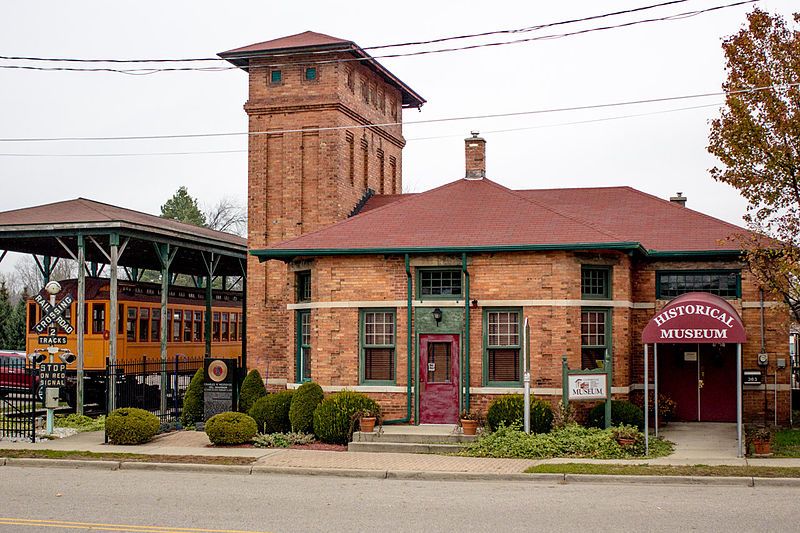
(271, 412)
(509, 409)
(333, 418)
(231, 428)
(622, 413)
(304, 402)
(193, 400)
(129, 425)
(252, 389)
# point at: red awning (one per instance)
(695, 317)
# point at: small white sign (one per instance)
(690, 356)
(431, 367)
(587, 386)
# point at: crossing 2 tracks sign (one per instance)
(52, 316)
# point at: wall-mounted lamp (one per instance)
(474, 304)
(437, 315)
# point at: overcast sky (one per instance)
(657, 153)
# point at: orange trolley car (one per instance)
(139, 327)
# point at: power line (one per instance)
(424, 121)
(411, 139)
(148, 71)
(376, 47)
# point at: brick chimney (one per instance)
(475, 150)
(680, 199)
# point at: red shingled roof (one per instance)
(299, 40)
(476, 213)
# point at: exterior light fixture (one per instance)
(437, 315)
(474, 304)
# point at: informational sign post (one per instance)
(219, 387)
(53, 374)
(581, 385)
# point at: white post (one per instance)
(79, 392)
(646, 401)
(526, 377)
(655, 385)
(739, 399)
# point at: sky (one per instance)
(661, 151)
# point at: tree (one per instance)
(5, 316)
(183, 207)
(757, 140)
(15, 326)
(227, 215)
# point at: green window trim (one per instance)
(419, 280)
(363, 347)
(699, 272)
(607, 333)
(303, 286)
(275, 77)
(487, 347)
(302, 349)
(604, 271)
(311, 74)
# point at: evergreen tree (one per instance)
(6, 312)
(15, 326)
(183, 207)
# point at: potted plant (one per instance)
(625, 436)
(469, 421)
(761, 439)
(367, 418)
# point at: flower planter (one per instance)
(625, 442)
(762, 447)
(367, 424)
(470, 427)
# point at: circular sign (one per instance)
(217, 371)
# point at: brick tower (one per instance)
(324, 104)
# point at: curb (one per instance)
(776, 482)
(335, 472)
(470, 476)
(659, 480)
(62, 463)
(186, 467)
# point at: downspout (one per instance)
(466, 330)
(409, 362)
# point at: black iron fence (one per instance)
(151, 384)
(19, 385)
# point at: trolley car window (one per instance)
(32, 318)
(98, 318)
(234, 326)
(144, 324)
(131, 325)
(225, 330)
(215, 333)
(176, 326)
(155, 326)
(187, 326)
(198, 326)
(120, 319)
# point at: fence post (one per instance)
(175, 390)
(108, 379)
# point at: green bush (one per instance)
(252, 389)
(306, 399)
(271, 412)
(571, 441)
(622, 413)
(510, 409)
(80, 422)
(231, 428)
(129, 425)
(193, 400)
(281, 440)
(333, 418)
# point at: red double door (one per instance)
(438, 379)
(701, 378)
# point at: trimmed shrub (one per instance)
(623, 413)
(129, 425)
(281, 440)
(231, 428)
(252, 389)
(271, 412)
(193, 400)
(305, 400)
(509, 409)
(333, 418)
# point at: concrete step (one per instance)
(412, 437)
(402, 447)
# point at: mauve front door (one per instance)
(438, 379)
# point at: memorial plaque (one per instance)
(219, 387)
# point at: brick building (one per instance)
(420, 299)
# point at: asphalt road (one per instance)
(156, 502)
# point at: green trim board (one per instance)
(486, 347)
(362, 346)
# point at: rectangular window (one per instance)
(33, 317)
(724, 283)
(440, 359)
(311, 73)
(68, 317)
(98, 318)
(275, 77)
(503, 346)
(303, 283)
(176, 325)
(197, 334)
(155, 326)
(378, 346)
(234, 326)
(351, 82)
(225, 327)
(303, 365)
(187, 326)
(144, 324)
(444, 283)
(215, 327)
(595, 282)
(595, 337)
(120, 319)
(130, 326)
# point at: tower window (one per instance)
(351, 82)
(275, 77)
(311, 73)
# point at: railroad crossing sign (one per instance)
(53, 374)
(53, 315)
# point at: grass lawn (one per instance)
(787, 443)
(93, 456)
(665, 470)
